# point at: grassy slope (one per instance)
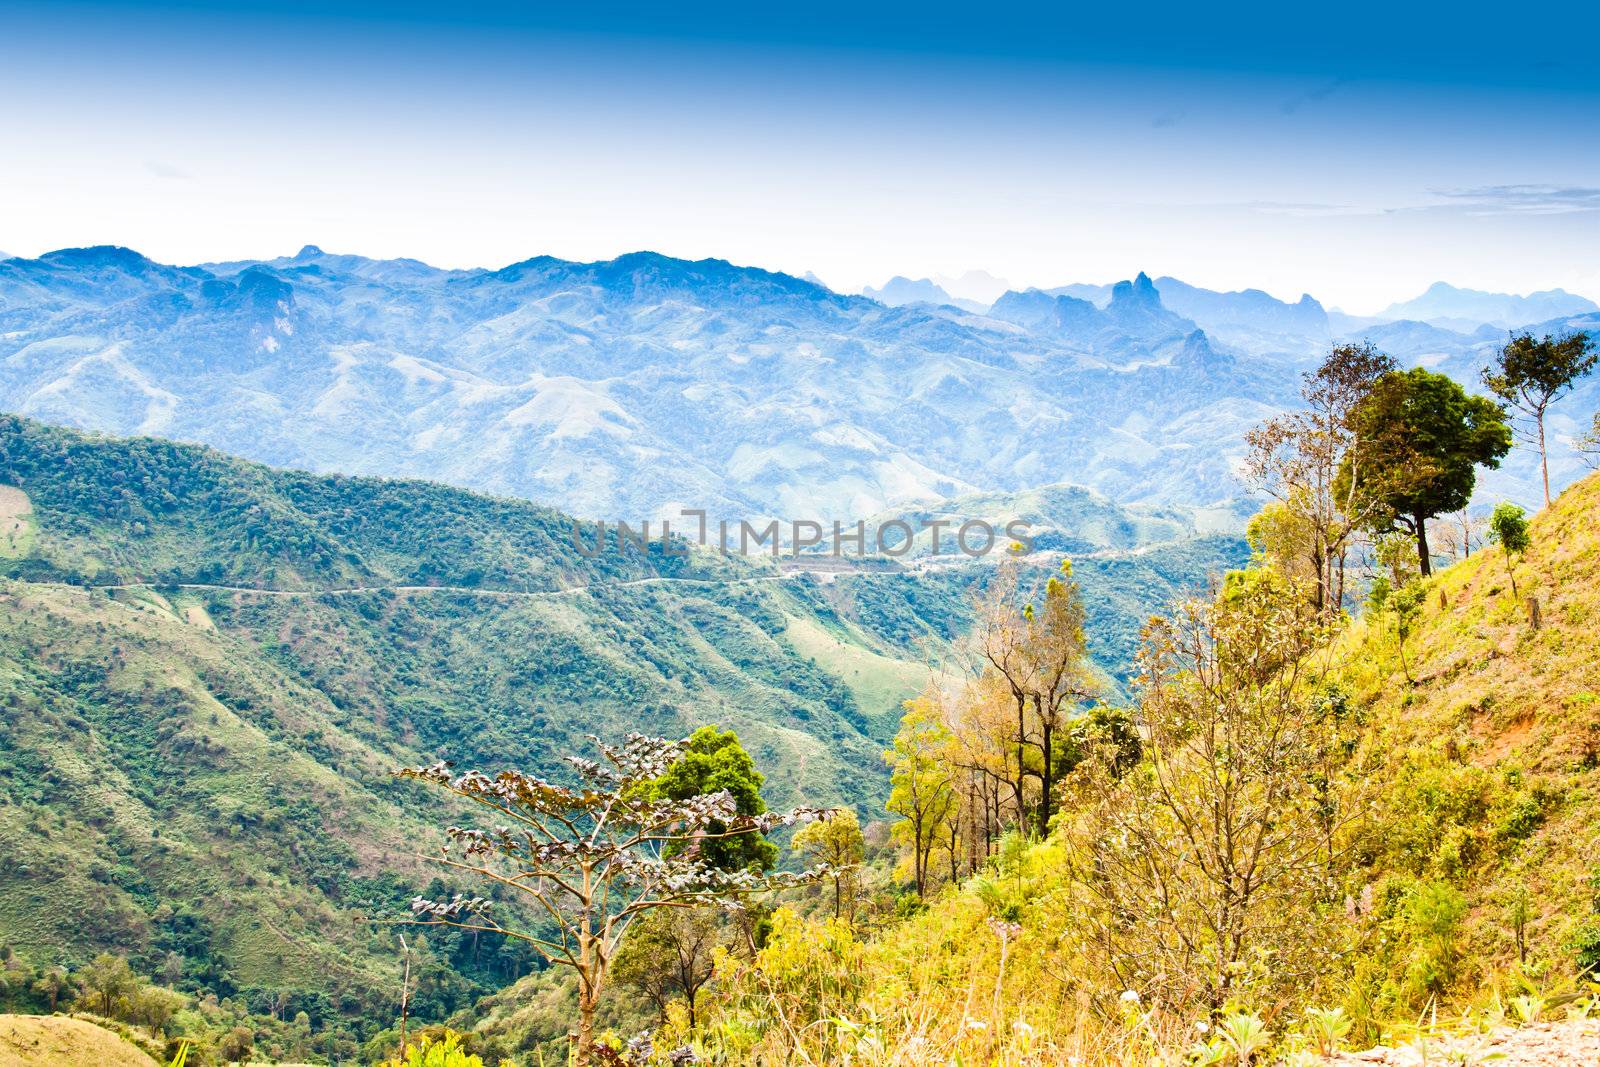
(1485, 776)
(1490, 761)
(55, 1041)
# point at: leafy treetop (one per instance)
(1426, 438)
(713, 761)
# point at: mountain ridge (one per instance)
(641, 385)
(572, 383)
(1450, 305)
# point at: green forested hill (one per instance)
(208, 669)
(195, 773)
(146, 509)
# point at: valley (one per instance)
(209, 669)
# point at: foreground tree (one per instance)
(1200, 870)
(594, 858)
(671, 954)
(1041, 658)
(837, 844)
(1425, 439)
(921, 785)
(1529, 375)
(1297, 459)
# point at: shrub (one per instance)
(1433, 915)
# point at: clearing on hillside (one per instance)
(16, 524)
(878, 682)
(55, 1041)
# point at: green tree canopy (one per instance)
(1508, 528)
(1427, 438)
(1530, 375)
(671, 954)
(713, 761)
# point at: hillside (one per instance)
(1456, 914)
(1492, 758)
(208, 669)
(30, 1041)
(196, 774)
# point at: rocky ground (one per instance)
(1555, 1044)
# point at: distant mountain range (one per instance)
(898, 291)
(1467, 309)
(628, 387)
(1256, 312)
(646, 384)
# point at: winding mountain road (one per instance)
(537, 594)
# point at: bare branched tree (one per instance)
(1296, 459)
(1529, 375)
(1588, 443)
(1206, 867)
(595, 857)
(1037, 655)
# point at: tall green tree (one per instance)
(1530, 375)
(714, 761)
(106, 984)
(1426, 438)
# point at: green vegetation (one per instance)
(446, 1049)
(1530, 375)
(145, 509)
(1424, 438)
(1508, 528)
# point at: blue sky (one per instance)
(1357, 154)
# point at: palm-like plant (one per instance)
(1327, 1028)
(1245, 1034)
(429, 1051)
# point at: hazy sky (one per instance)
(1358, 158)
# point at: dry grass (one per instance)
(56, 1041)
